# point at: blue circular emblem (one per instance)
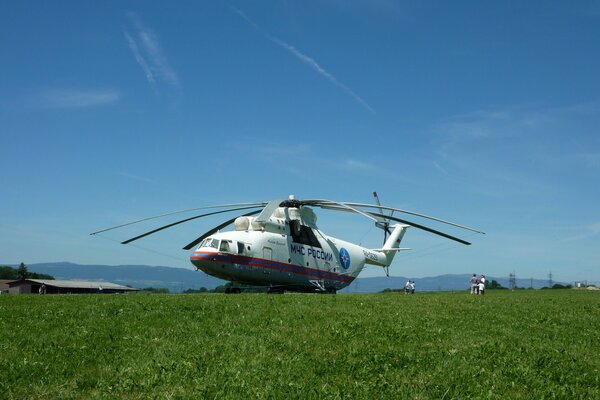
(344, 258)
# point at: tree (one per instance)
(559, 286)
(495, 285)
(155, 290)
(35, 275)
(201, 290)
(7, 272)
(22, 271)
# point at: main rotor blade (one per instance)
(181, 222)
(328, 204)
(378, 202)
(260, 204)
(337, 205)
(215, 229)
(422, 227)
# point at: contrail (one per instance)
(305, 59)
(149, 55)
(140, 59)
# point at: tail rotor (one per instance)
(384, 223)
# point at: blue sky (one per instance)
(482, 113)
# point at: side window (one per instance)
(240, 247)
(212, 243)
(225, 246)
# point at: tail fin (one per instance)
(386, 255)
(392, 245)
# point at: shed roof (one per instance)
(4, 283)
(64, 284)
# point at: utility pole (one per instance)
(512, 281)
(550, 279)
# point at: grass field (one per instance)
(444, 345)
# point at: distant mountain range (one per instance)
(138, 276)
(180, 279)
(434, 283)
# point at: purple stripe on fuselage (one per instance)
(260, 262)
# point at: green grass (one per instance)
(523, 344)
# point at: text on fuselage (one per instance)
(309, 251)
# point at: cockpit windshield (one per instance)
(210, 242)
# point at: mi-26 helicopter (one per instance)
(283, 249)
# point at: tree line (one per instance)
(8, 272)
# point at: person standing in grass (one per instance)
(481, 285)
(473, 282)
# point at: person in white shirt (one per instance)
(481, 284)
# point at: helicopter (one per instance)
(282, 248)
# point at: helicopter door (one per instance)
(267, 253)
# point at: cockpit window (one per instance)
(212, 243)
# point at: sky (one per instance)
(482, 113)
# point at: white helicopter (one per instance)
(283, 250)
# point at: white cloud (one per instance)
(75, 98)
(479, 124)
(146, 49)
(287, 150)
(439, 167)
(591, 160)
(589, 231)
(140, 59)
(355, 165)
(523, 121)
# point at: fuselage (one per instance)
(284, 254)
(268, 259)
